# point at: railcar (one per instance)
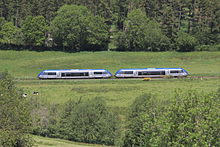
(151, 72)
(74, 74)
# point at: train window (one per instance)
(174, 71)
(98, 73)
(162, 72)
(86, 74)
(51, 73)
(128, 72)
(76, 74)
(154, 72)
(63, 74)
(151, 73)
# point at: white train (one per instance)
(74, 74)
(151, 72)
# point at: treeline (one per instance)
(125, 25)
(190, 118)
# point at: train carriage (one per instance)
(74, 74)
(151, 72)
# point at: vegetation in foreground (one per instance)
(192, 118)
(15, 115)
(151, 121)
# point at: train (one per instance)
(151, 73)
(103, 73)
(75, 74)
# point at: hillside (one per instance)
(28, 64)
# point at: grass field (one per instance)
(28, 64)
(117, 93)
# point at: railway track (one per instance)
(188, 77)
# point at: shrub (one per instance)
(214, 47)
(191, 119)
(143, 128)
(89, 122)
(15, 119)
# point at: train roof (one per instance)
(74, 70)
(147, 68)
(69, 70)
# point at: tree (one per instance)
(10, 34)
(89, 122)
(141, 34)
(185, 42)
(143, 122)
(34, 30)
(75, 27)
(193, 119)
(15, 119)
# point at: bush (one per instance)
(89, 122)
(191, 119)
(15, 118)
(143, 128)
(215, 47)
(45, 117)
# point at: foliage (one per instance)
(45, 117)
(192, 119)
(143, 128)
(34, 30)
(89, 122)
(185, 42)
(208, 47)
(141, 34)
(75, 27)
(15, 120)
(200, 18)
(10, 34)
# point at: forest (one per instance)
(122, 25)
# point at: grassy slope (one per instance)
(118, 93)
(29, 64)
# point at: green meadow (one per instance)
(26, 65)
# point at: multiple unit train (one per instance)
(74, 74)
(103, 73)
